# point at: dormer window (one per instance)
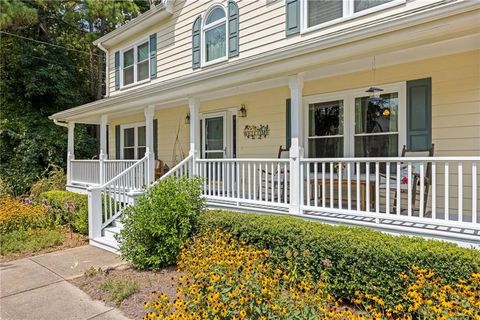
(215, 35)
(135, 63)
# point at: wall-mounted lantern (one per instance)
(187, 119)
(243, 111)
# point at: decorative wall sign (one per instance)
(256, 132)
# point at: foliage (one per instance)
(226, 279)
(30, 241)
(347, 259)
(120, 290)
(429, 296)
(56, 180)
(67, 208)
(16, 215)
(163, 219)
(5, 190)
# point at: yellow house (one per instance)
(352, 111)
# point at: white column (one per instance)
(194, 106)
(149, 112)
(70, 150)
(295, 83)
(103, 136)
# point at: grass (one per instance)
(120, 290)
(29, 241)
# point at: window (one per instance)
(215, 35)
(136, 63)
(350, 124)
(133, 141)
(318, 13)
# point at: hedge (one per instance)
(346, 258)
(68, 208)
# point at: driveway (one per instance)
(37, 287)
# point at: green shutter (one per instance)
(288, 124)
(232, 29)
(153, 56)
(117, 70)
(293, 17)
(196, 43)
(419, 114)
(117, 142)
(155, 138)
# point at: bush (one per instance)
(56, 180)
(67, 208)
(30, 241)
(155, 228)
(348, 259)
(17, 215)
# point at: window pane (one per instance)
(214, 133)
(142, 52)
(129, 137)
(128, 58)
(142, 140)
(142, 71)
(141, 152)
(326, 118)
(128, 76)
(128, 153)
(377, 146)
(325, 148)
(215, 43)
(320, 11)
(360, 5)
(377, 115)
(216, 14)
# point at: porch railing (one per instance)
(96, 172)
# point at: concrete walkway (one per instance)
(37, 287)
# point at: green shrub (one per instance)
(5, 189)
(346, 258)
(163, 219)
(68, 208)
(55, 180)
(20, 241)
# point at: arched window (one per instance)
(215, 34)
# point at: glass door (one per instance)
(214, 129)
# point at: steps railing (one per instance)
(183, 169)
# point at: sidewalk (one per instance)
(37, 287)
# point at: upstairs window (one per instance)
(215, 35)
(135, 63)
(318, 13)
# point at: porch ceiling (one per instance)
(436, 38)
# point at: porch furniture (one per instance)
(272, 182)
(416, 176)
(161, 168)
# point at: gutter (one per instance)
(60, 123)
(107, 61)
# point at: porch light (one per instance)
(187, 119)
(374, 95)
(243, 111)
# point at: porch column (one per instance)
(295, 82)
(149, 112)
(194, 105)
(103, 137)
(70, 150)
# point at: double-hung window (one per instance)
(215, 35)
(325, 138)
(135, 63)
(321, 13)
(133, 141)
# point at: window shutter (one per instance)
(232, 29)
(293, 17)
(155, 138)
(419, 114)
(288, 124)
(196, 45)
(117, 142)
(117, 70)
(153, 56)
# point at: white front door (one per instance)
(214, 128)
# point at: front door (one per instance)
(215, 142)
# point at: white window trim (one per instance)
(205, 28)
(348, 14)
(348, 97)
(135, 62)
(135, 125)
(226, 140)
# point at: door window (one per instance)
(214, 137)
(134, 142)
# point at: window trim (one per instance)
(134, 125)
(347, 14)
(135, 46)
(206, 27)
(348, 97)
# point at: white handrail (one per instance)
(180, 169)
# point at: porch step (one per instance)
(111, 232)
(105, 244)
(117, 223)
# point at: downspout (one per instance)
(107, 75)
